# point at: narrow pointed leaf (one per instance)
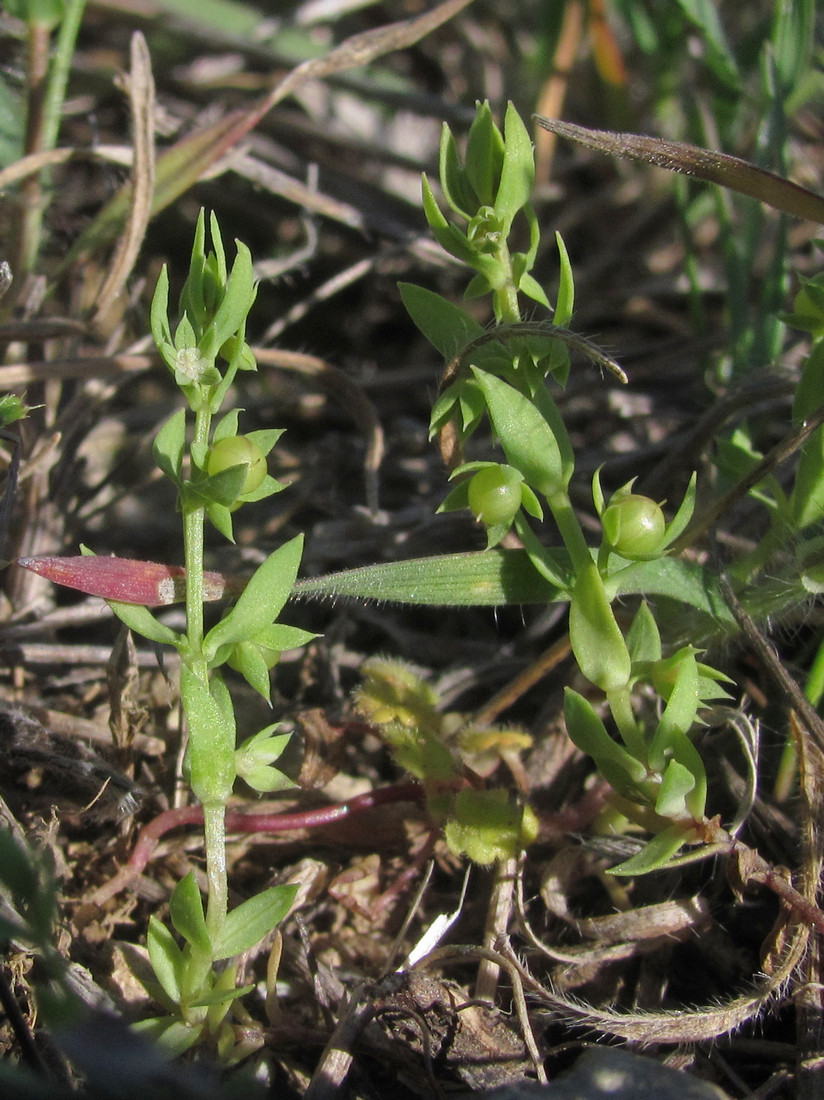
(488, 578)
(211, 752)
(565, 302)
(453, 180)
(169, 444)
(484, 156)
(529, 442)
(644, 638)
(594, 634)
(250, 922)
(141, 621)
(679, 713)
(518, 172)
(226, 426)
(447, 327)
(492, 578)
(261, 601)
(186, 912)
(655, 853)
(678, 523)
(247, 659)
(166, 958)
(676, 784)
(591, 736)
(222, 996)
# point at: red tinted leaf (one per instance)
(142, 582)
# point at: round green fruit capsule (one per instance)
(634, 527)
(495, 494)
(239, 450)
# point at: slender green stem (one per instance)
(570, 529)
(507, 309)
(61, 66)
(620, 705)
(538, 553)
(505, 298)
(193, 524)
(214, 813)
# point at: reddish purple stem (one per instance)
(151, 834)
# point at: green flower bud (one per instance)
(484, 231)
(239, 450)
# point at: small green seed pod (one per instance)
(495, 494)
(634, 527)
(239, 450)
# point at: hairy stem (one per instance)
(214, 813)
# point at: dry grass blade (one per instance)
(190, 158)
(333, 1067)
(92, 366)
(789, 688)
(677, 156)
(142, 104)
(784, 449)
(35, 163)
(361, 49)
(680, 1026)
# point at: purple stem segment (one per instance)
(151, 834)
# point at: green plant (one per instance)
(737, 92)
(214, 472)
(656, 772)
(437, 748)
(47, 76)
(655, 769)
(90, 1040)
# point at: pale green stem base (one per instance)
(217, 905)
